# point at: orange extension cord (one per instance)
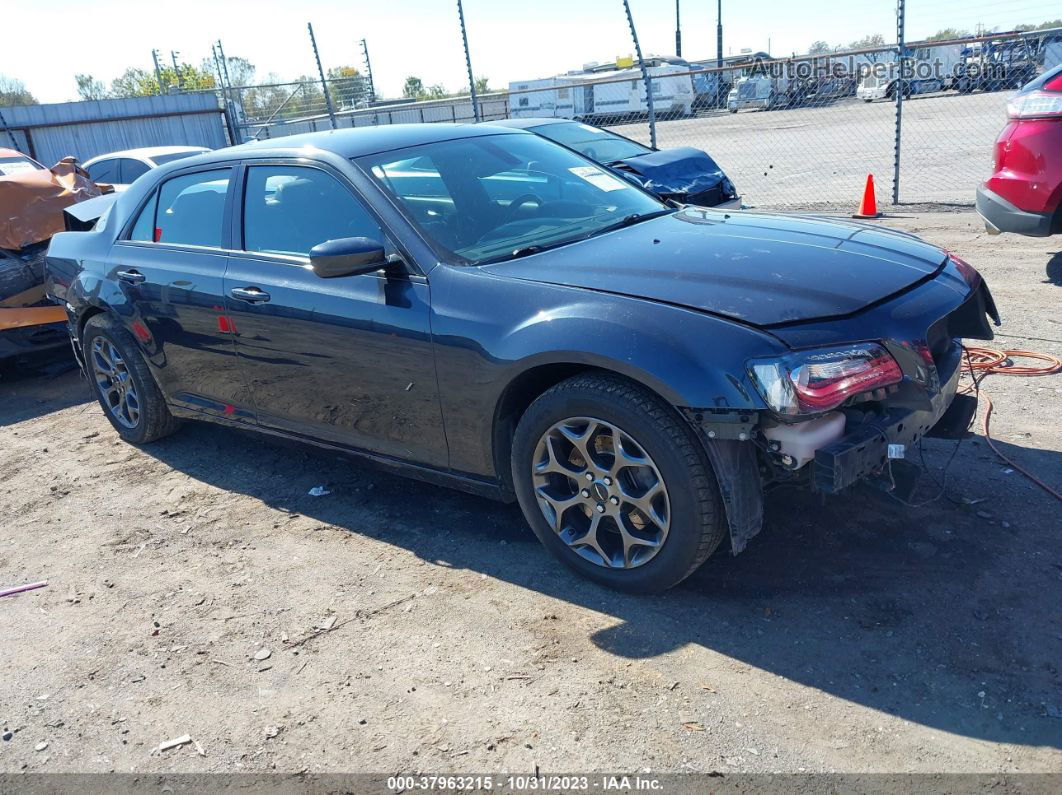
(983, 362)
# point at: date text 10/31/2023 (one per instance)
(524, 783)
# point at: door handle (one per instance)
(131, 276)
(251, 295)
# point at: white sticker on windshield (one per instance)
(598, 178)
(16, 167)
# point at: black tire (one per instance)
(154, 420)
(697, 521)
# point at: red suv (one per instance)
(1024, 193)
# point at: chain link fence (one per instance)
(795, 133)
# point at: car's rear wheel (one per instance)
(615, 484)
(124, 386)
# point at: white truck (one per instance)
(927, 73)
(603, 94)
(765, 92)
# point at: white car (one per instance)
(122, 168)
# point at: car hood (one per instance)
(757, 268)
(674, 173)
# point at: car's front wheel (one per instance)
(124, 386)
(615, 484)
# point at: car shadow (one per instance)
(1054, 269)
(937, 615)
(34, 386)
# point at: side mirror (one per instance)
(347, 256)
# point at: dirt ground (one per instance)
(188, 583)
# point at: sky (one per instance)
(509, 39)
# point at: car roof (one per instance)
(14, 153)
(149, 152)
(360, 141)
(524, 124)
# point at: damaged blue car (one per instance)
(683, 174)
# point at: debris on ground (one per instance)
(318, 491)
(22, 588)
(184, 739)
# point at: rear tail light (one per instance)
(811, 382)
(1054, 84)
(1036, 105)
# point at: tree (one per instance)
(867, 42)
(89, 88)
(413, 87)
(347, 87)
(819, 48)
(1051, 23)
(948, 33)
(137, 82)
(482, 85)
(14, 92)
(436, 91)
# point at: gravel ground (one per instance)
(774, 156)
(196, 589)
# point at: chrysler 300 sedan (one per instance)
(483, 308)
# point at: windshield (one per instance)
(488, 198)
(16, 165)
(159, 160)
(595, 143)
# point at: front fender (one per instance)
(489, 330)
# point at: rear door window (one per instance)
(190, 209)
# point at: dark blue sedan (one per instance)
(483, 308)
(682, 174)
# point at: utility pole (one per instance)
(899, 92)
(368, 71)
(176, 68)
(719, 35)
(320, 71)
(678, 31)
(158, 69)
(645, 76)
(468, 62)
(224, 64)
(719, 53)
(217, 68)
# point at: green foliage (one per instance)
(1051, 23)
(413, 88)
(89, 88)
(14, 92)
(136, 82)
(949, 33)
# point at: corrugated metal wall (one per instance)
(87, 129)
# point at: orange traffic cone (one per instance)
(868, 208)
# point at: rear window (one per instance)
(159, 160)
(188, 210)
(593, 142)
(104, 171)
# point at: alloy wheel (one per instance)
(115, 382)
(601, 492)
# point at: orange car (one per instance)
(32, 200)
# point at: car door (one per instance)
(348, 359)
(169, 266)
